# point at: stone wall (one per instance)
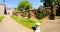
(32, 13)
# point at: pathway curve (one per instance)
(9, 25)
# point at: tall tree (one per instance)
(24, 5)
(47, 2)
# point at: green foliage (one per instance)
(23, 15)
(14, 12)
(24, 5)
(46, 12)
(48, 2)
(27, 22)
(29, 14)
(1, 17)
(52, 16)
(41, 6)
(39, 15)
(58, 11)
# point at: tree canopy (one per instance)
(48, 2)
(24, 5)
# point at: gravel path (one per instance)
(50, 25)
(9, 25)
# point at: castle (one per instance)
(1, 9)
(4, 10)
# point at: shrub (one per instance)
(46, 12)
(39, 15)
(52, 16)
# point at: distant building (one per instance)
(2, 9)
(9, 10)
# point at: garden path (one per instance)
(9, 25)
(50, 25)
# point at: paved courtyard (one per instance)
(9, 25)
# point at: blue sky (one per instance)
(14, 3)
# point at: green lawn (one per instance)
(1, 17)
(29, 23)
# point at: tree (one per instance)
(15, 11)
(49, 3)
(24, 5)
(58, 10)
(39, 12)
(39, 15)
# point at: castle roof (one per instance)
(9, 8)
(1, 4)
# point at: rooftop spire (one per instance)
(3, 1)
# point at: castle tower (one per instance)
(2, 8)
(3, 1)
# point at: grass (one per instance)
(29, 23)
(1, 17)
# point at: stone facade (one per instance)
(8, 10)
(1, 9)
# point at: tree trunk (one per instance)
(29, 14)
(52, 14)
